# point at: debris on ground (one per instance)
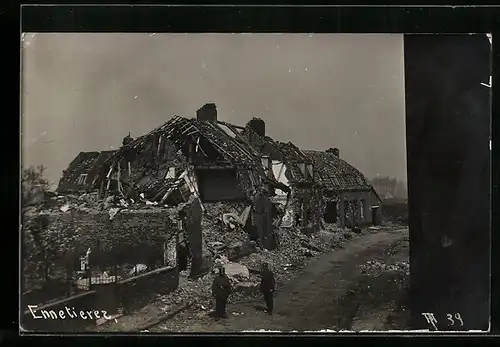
(65, 208)
(285, 262)
(188, 290)
(236, 272)
(227, 241)
(379, 300)
(137, 269)
(246, 287)
(376, 267)
(221, 238)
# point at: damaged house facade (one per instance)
(348, 198)
(202, 161)
(295, 170)
(82, 171)
(201, 186)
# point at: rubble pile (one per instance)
(244, 274)
(87, 203)
(375, 268)
(62, 203)
(219, 237)
(295, 248)
(199, 291)
(293, 251)
(335, 239)
(189, 289)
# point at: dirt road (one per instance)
(323, 296)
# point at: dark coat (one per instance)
(221, 288)
(267, 282)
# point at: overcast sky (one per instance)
(85, 92)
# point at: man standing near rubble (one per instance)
(267, 284)
(221, 288)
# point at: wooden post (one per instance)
(118, 182)
(118, 179)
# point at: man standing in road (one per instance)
(221, 288)
(267, 287)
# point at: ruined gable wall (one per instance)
(119, 235)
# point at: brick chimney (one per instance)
(335, 151)
(207, 112)
(127, 139)
(258, 126)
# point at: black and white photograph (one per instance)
(236, 182)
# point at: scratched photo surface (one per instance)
(216, 183)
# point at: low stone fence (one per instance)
(135, 292)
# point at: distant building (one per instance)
(348, 197)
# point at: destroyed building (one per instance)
(82, 171)
(299, 170)
(262, 183)
(200, 157)
(220, 191)
(292, 168)
(348, 198)
(218, 160)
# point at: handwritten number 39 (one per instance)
(457, 317)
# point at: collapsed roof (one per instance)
(159, 162)
(288, 159)
(336, 174)
(299, 166)
(204, 144)
(85, 163)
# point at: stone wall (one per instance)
(263, 221)
(362, 212)
(131, 236)
(136, 292)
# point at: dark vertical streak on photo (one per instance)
(448, 156)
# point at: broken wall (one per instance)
(264, 221)
(131, 236)
(358, 207)
(138, 291)
(192, 215)
(142, 169)
(307, 206)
